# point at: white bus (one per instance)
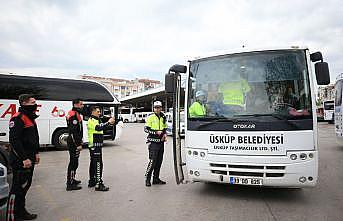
(127, 114)
(338, 115)
(271, 139)
(141, 116)
(328, 107)
(54, 97)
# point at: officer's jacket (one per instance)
(95, 131)
(197, 110)
(74, 122)
(153, 124)
(23, 136)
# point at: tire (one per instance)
(59, 139)
(4, 159)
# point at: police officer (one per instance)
(24, 140)
(156, 128)
(234, 93)
(198, 109)
(95, 143)
(74, 122)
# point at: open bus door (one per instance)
(173, 86)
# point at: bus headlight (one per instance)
(310, 155)
(197, 173)
(189, 152)
(302, 179)
(293, 156)
(202, 154)
(195, 153)
(303, 156)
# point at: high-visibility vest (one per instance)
(234, 92)
(91, 124)
(197, 110)
(156, 123)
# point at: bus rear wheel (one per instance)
(59, 139)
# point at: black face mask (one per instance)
(30, 108)
(80, 110)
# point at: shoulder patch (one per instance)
(11, 124)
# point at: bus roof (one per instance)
(246, 50)
(46, 88)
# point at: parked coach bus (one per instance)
(338, 115)
(258, 125)
(328, 107)
(54, 96)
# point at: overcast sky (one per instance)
(144, 38)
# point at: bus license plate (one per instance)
(246, 181)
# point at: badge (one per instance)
(75, 122)
(11, 124)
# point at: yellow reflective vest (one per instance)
(197, 110)
(234, 92)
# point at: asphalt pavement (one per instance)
(128, 199)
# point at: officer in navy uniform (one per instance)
(74, 141)
(24, 141)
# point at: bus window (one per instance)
(52, 89)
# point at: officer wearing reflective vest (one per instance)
(234, 93)
(156, 127)
(95, 142)
(198, 109)
(24, 141)
(74, 141)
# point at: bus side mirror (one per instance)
(177, 68)
(170, 81)
(171, 77)
(322, 73)
(317, 56)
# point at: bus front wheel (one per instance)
(59, 139)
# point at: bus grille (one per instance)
(247, 170)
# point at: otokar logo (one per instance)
(244, 126)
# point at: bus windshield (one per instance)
(246, 85)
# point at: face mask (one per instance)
(80, 110)
(30, 108)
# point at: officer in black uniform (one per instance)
(24, 140)
(156, 127)
(74, 122)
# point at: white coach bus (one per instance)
(328, 108)
(54, 96)
(260, 124)
(339, 109)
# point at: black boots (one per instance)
(158, 181)
(101, 187)
(147, 182)
(73, 186)
(26, 216)
(155, 181)
(77, 182)
(91, 183)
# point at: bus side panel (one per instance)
(43, 126)
(51, 116)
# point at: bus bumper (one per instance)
(273, 171)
